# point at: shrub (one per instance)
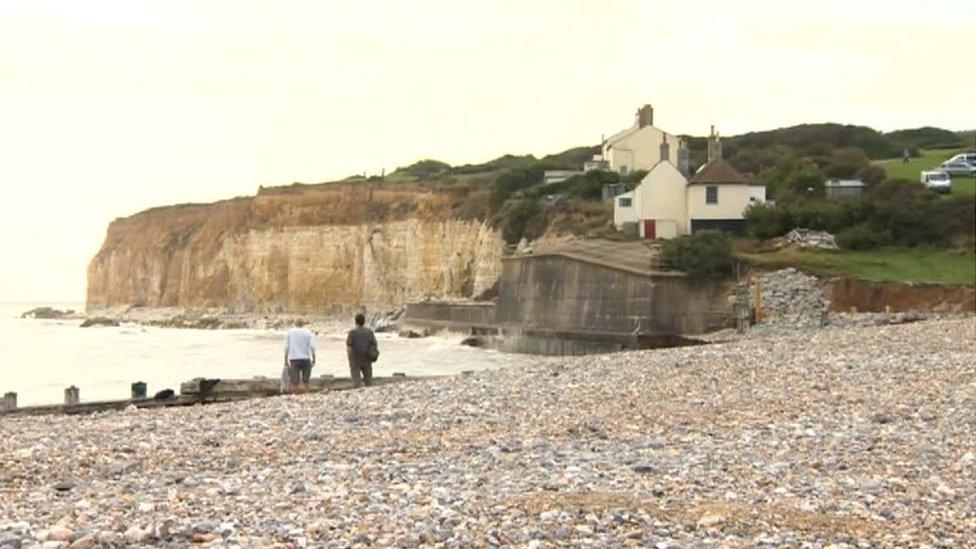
(897, 191)
(863, 237)
(588, 186)
(476, 205)
(927, 220)
(515, 217)
(846, 162)
(852, 211)
(767, 220)
(872, 175)
(808, 181)
(513, 180)
(634, 178)
(425, 169)
(816, 215)
(706, 254)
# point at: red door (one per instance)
(650, 229)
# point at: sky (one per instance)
(111, 107)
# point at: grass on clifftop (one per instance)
(929, 160)
(884, 265)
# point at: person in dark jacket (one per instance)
(359, 343)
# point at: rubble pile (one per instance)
(790, 298)
(809, 238)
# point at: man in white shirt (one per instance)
(299, 355)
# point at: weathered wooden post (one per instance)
(138, 390)
(71, 396)
(9, 402)
(759, 305)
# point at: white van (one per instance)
(937, 181)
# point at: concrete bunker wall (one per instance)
(450, 315)
(560, 293)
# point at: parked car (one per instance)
(937, 181)
(961, 164)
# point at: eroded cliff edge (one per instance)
(324, 248)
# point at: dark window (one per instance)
(623, 202)
(711, 195)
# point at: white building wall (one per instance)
(733, 199)
(639, 150)
(624, 214)
(661, 197)
(757, 194)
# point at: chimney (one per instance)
(665, 148)
(684, 162)
(645, 116)
(714, 145)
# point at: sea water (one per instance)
(40, 358)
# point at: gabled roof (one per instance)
(623, 134)
(717, 172)
(660, 167)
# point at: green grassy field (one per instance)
(887, 264)
(929, 159)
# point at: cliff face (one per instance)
(307, 249)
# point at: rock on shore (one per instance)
(860, 436)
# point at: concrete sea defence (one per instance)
(584, 297)
(855, 436)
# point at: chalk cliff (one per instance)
(324, 248)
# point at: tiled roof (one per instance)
(719, 171)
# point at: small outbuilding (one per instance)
(845, 188)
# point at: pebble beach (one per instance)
(859, 436)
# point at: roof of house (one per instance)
(719, 171)
(634, 129)
(845, 183)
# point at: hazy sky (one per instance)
(107, 108)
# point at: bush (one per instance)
(872, 175)
(846, 163)
(863, 237)
(425, 169)
(816, 215)
(706, 254)
(767, 220)
(897, 191)
(588, 186)
(513, 180)
(516, 217)
(927, 220)
(476, 205)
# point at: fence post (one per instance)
(759, 304)
(138, 390)
(9, 402)
(71, 396)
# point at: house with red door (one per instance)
(666, 204)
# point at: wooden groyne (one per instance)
(195, 391)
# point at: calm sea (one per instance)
(39, 358)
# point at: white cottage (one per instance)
(666, 204)
(636, 148)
